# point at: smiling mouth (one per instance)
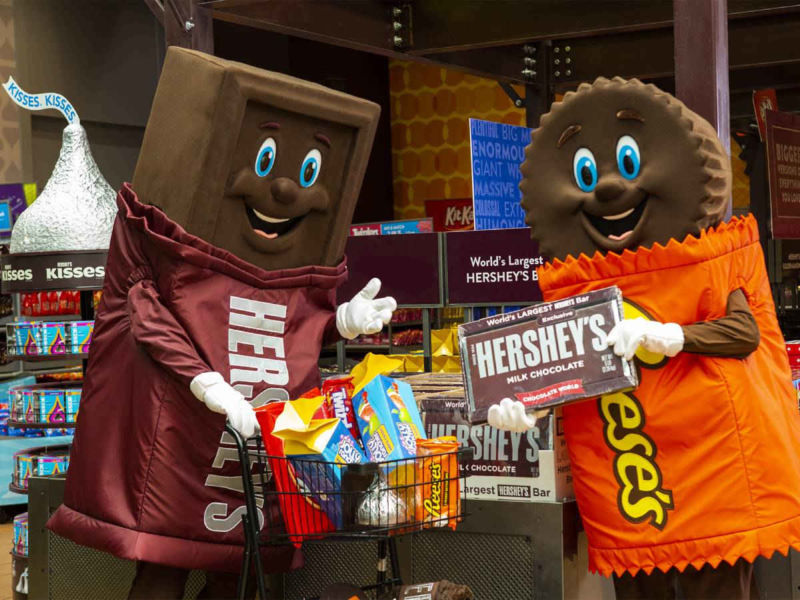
(620, 226)
(270, 227)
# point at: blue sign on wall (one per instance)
(497, 152)
(5, 216)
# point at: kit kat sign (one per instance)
(783, 159)
(492, 267)
(452, 214)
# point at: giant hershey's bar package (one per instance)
(505, 465)
(545, 355)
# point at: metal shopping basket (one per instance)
(309, 500)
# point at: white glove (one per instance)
(510, 415)
(661, 338)
(365, 314)
(211, 389)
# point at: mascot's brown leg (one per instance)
(726, 582)
(222, 586)
(656, 586)
(154, 581)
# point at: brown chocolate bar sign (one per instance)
(545, 355)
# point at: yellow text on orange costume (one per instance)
(641, 496)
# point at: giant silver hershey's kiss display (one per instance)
(76, 209)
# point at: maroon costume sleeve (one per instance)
(735, 335)
(157, 331)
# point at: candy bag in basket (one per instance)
(302, 516)
(317, 450)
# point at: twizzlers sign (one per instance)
(545, 355)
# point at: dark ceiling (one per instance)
(577, 39)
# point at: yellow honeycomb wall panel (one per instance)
(430, 111)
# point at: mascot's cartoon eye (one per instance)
(265, 159)
(628, 157)
(309, 170)
(585, 169)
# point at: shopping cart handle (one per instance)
(240, 441)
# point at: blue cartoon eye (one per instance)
(585, 169)
(309, 170)
(628, 157)
(265, 159)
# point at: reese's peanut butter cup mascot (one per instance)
(695, 473)
(219, 294)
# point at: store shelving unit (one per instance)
(38, 272)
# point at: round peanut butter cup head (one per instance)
(617, 165)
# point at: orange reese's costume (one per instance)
(700, 463)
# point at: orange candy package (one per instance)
(438, 497)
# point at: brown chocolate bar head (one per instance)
(264, 165)
(617, 165)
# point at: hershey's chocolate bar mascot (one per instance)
(219, 293)
(685, 480)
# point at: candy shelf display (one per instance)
(50, 328)
(55, 295)
(57, 339)
(54, 303)
(44, 406)
(45, 461)
(55, 289)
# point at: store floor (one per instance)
(6, 535)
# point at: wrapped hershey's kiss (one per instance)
(76, 209)
(381, 507)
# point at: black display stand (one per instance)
(18, 490)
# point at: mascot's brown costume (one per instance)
(220, 287)
(685, 480)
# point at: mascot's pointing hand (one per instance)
(661, 338)
(211, 389)
(365, 314)
(510, 415)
